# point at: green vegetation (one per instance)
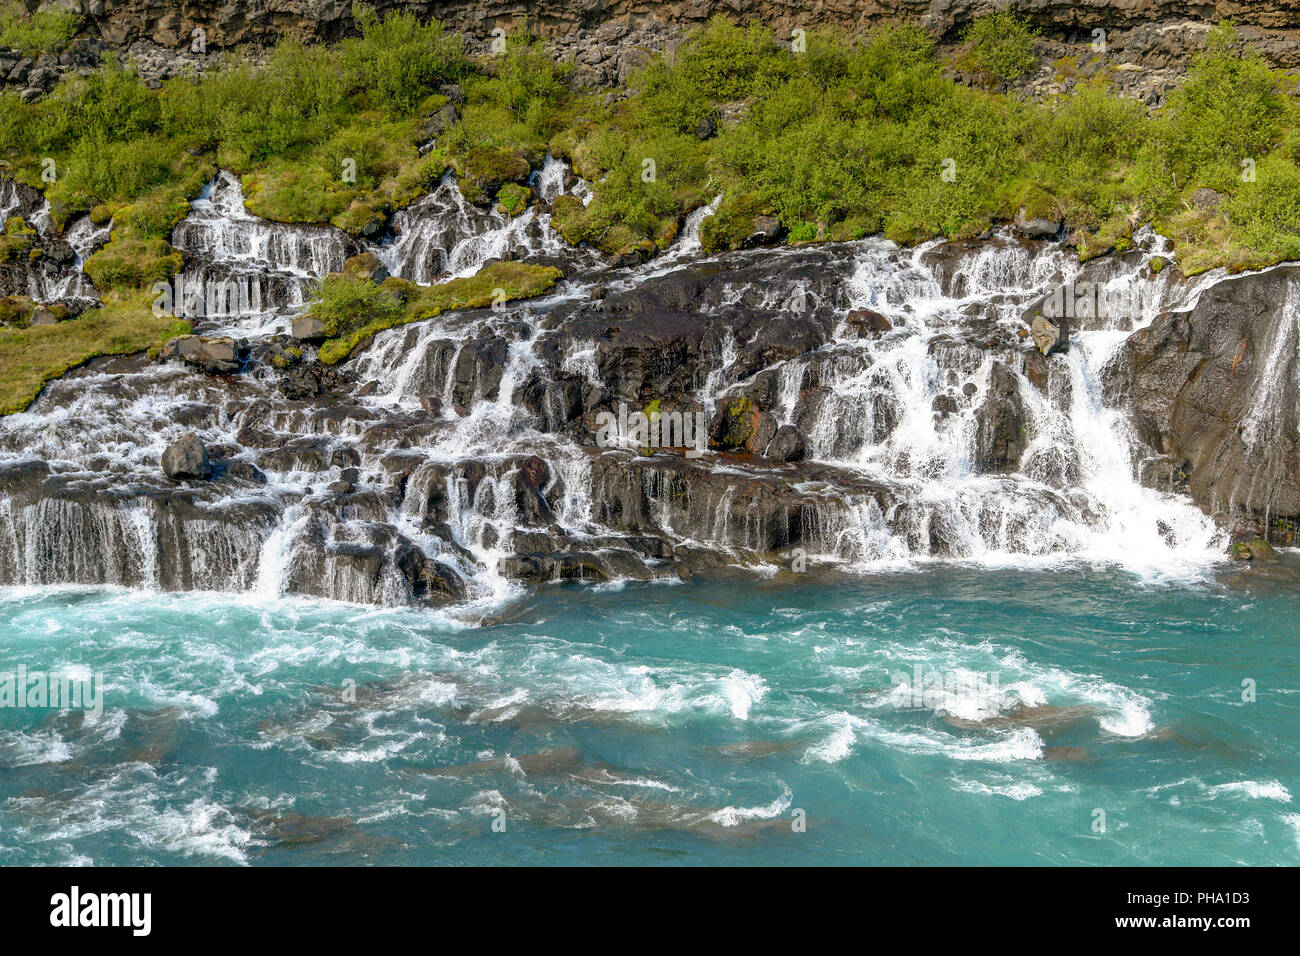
(1002, 45)
(316, 133)
(30, 357)
(512, 198)
(16, 240)
(848, 139)
(841, 139)
(36, 33)
(511, 112)
(353, 309)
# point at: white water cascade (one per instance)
(459, 460)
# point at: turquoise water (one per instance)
(730, 720)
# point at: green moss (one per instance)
(512, 199)
(1157, 265)
(30, 357)
(485, 169)
(16, 241)
(127, 263)
(731, 223)
(354, 310)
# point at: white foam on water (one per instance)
(735, 816)
(1016, 791)
(1253, 789)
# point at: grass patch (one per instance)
(355, 309)
(36, 33)
(31, 357)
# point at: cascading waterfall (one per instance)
(467, 453)
(445, 236)
(247, 268)
(45, 280)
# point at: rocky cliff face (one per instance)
(1148, 42)
(169, 23)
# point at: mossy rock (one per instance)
(499, 282)
(1252, 549)
(731, 225)
(738, 424)
(404, 289)
(485, 169)
(18, 226)
(512, 199)
(365, 265)
(16, 311)
(12, 247)
(133, 263)
(569, 218)
(636, 251)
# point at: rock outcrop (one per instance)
(1215, 394)
(1148, 42)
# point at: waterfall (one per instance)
(446, 236)
(269, 268)
(468, 462)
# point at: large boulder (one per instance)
(1033, 227)
(868, 322)
(365, 265)
(218, 355)
(1048, 337)
(440, 119)
(308, 328)
(787, 444)
(186, 459)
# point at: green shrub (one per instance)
(1230, 108)
(1002, 45)
(1267, 211)
(398, 61)
(346, 304)
(36, 33)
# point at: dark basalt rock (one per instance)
(440, 119)
(868, 322)
(660, 341)
(186, 459)
(786, 445)
(1000, 437)
(1214, 392)
(764, 231)
(310, 380)
(1032, 227)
